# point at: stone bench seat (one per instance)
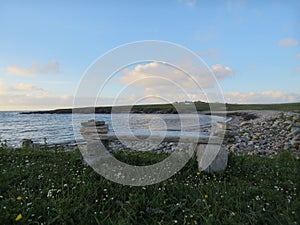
(211, 156)
(166, 136)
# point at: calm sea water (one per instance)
(59, 129)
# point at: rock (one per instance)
(233, 149)
(225, 126)
(245, 123)
(255, 137)
(275, 124)
(287, 146)
(221, 125)
(295, 142)
(262, 152)
(296, 118)
(294, 131)
(28, 143)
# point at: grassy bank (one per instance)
(56, 188)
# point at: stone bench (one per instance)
(211, 156)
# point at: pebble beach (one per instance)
(248, 132)
(269, 134)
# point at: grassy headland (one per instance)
(55, 187)
(171, 108)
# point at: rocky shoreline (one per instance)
(271, 133)
(251, 132)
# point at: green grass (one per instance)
(280, 107)
(56, 188)
(182, 107)
(202, 106)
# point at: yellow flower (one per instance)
(205, 196)
(198, 173)
(19, 217)
(19, 198)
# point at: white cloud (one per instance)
(288, 42)
(51, 67)
(221, 71)
(23, 97)
(211, 53)
(158, 75)
(1, 86)
(33, 102)
(21, 87)
(156, 81)
(261, 97)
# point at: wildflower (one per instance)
(19, 198)
(19, 217)
(205, 196)
(50, 193)
(198, 173)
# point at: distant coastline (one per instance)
(201, 107)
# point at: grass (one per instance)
(295, 107)
(54, 187)
(172, 108)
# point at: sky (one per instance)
(252, 48)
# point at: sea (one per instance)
(63, 129)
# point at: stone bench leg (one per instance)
(211, 158)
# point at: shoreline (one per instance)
(256, 132)
(269, 134)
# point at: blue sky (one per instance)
(46, 46)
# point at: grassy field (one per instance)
(54, 187)
(295, 107)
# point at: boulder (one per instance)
(287, 146)
(245, 123)
(295, 142)
(294, 131)
(28, 143)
